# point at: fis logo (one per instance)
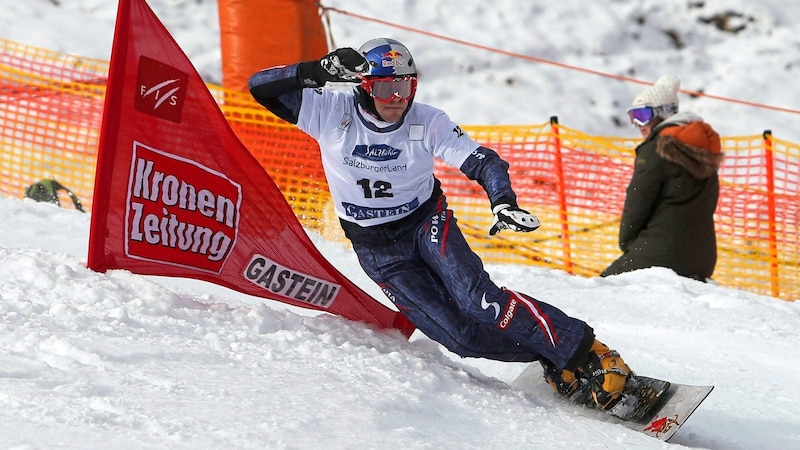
(180, 212)
(160, 89)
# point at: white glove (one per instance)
(513, 218)
(343, 64)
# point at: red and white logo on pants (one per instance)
(508, 315)
(539, 316)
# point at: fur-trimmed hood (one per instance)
(686, 140)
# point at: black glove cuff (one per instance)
(312, 75)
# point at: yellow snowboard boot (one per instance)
(564, 382)
(607, 374)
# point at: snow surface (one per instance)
(117, 360)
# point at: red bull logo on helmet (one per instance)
(393, 58)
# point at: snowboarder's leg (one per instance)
(420, 296)
(529, 323)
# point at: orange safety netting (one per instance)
(51, 108)
(50, 111)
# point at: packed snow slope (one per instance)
(117, 360)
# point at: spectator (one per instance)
(378, 147)
(668, 217)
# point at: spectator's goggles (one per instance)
(641, 115)
(385, 89)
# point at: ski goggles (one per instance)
(385, 89)
(641, 115)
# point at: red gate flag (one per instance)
(177, 194)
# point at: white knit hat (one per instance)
(663, 96)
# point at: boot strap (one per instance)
(600, 370)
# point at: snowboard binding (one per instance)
(604, 381)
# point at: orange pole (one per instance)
(774, 274)
(562, 196)
(256, 34)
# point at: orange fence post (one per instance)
(773, 243)
(562, 195)
(255, 34)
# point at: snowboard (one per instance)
(657, 408)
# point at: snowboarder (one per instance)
(378, 147)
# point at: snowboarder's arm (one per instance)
(486, 167)
(279, 88)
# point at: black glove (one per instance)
(513, 218)
(343, 64)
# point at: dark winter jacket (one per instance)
(668, 217)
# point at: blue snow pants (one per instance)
(437, 281)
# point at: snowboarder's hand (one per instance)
(513, 218)
(343, 64)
